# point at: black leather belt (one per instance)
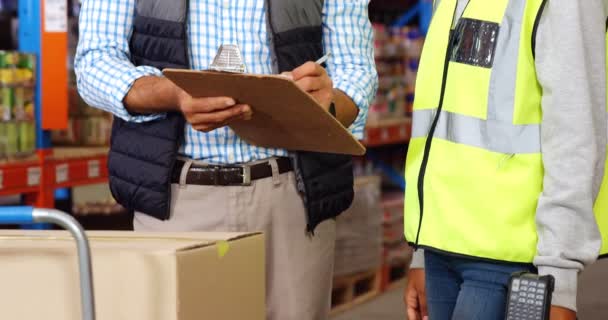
(230, 175)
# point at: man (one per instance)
(508, 154)
(218, 181)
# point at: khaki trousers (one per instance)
(299, 267)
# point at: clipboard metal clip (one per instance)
(228, 59)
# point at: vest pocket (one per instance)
(474, 42)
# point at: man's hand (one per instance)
(559, 313)
(158, 94)
(208, 114)
(415, 295)
(314, 79)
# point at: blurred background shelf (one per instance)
(53, 169)
(390, 131)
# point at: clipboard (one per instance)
(283, 115)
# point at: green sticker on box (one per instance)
(222, 248)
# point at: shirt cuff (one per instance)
(417, 260)
(361, 101)
(566, 283)
(124, 84)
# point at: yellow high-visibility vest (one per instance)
(474, 168)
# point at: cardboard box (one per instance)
(137, 276)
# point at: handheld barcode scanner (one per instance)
(529, 297)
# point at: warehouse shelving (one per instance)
(401, 12)
(14, 177)
(39, 176)
(386, 132)
(43, 32)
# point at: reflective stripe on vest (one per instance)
(490, 135)
(480, 174)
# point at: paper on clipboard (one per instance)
(283, 115)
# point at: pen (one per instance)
(323, 59)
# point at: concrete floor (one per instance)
(388, 306)
(592, 299)
(593, 292)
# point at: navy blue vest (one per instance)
(142, 155)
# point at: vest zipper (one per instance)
(536, 25)
(429, 139)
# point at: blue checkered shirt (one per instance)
(105, 73)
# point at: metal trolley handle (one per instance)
(29, 215)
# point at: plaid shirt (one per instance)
(105, 73)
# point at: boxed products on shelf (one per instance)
(17, 126)
(87, 126)
(397, 252)
(17, 79)
(359, 230)
(398, 53)
(85, 131)
(397, 42)
(96, 209)
(107, 207)
(392, 206)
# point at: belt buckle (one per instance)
(246, 175)
(216, 175)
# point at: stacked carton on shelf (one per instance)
(397, 253)
(87, 126)
(396, 249)
(359, 230)
(95, 200)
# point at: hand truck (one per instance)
(29, 215)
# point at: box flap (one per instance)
(113, 240)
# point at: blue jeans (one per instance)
(465, 289)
